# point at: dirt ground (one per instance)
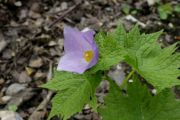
(31, 43)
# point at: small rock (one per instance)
(86, 107)
(23, 14)
(23, 114)
(53, 52)
(52, 43)
(86, 111)
(100, 97)
(14, 89)
(24, 78)
(103, 87)
(130, 81)
(3, 43)
(9, 115)
(154, 91)
(18, 3)
(88, 117)
(36, 63)
(39, 22)
(22, 60)
(39, 75)
(34, 15)
(151, 2)
(169, 38)
(64, 5)
(7, 54)
(14, 23)
(20, 97)
(1, 81)
(15, 75)
(35, 7)
(5, 99)
(86, 29)
(117, 75)
(79, 116)
(61, 43)
(171, 25)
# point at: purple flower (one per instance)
(81, 52)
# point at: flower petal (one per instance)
(73, 62)
(78, 45)
(89, 36)
(75, 41)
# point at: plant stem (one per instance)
(124, 82)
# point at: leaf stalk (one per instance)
(124, 82)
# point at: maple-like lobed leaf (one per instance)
(139, 104)
(74, 91)
(159, 66)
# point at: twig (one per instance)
(64, 14)
(133, 19)
(177, 37)
(39, 113)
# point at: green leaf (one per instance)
(134, 12)
(165, 10)
(177, 8)
(110, 50)
(74, 91)
(162, 69)
(126, 9)
(13, 107)
(139, 104)
(158, 66)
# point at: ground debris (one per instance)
(9, 115)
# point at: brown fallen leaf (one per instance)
(24, 77)
(29, 70)
(177, 37)
(36, 63)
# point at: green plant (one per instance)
(165, 10)
(12, 108)
(177, 8)
(126, 9)
(158, 66)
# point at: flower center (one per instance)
(88, 55)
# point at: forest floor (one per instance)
(31, 43)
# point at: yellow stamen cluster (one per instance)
(88, 55)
